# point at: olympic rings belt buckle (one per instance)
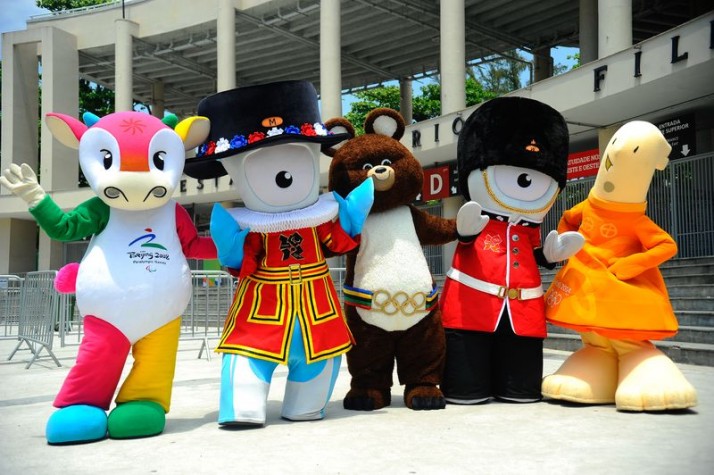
(384, 302)
(513, 294)
(295, 272)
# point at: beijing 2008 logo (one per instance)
(147, 238)
(146, 255)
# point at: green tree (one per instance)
(576, 57)
(369, 99)
(59, 5)
(426, 105)
(563, 68)
(500, 75)
(95, 98)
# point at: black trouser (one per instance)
(504, 365)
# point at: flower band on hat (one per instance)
(240, 141)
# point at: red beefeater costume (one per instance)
(285, 276)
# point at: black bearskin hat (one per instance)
(514, 131)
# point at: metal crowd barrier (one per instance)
(10, 295)
(69, 321)
(338, 279)
(39, 305)
(206, 312)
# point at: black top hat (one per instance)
(257, 116)
(513, 131)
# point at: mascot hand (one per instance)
(228, 236)
(470, 221)
(354, 209)
(558, 247)
(22, 182)
(627, 268)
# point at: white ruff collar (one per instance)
(324, 210)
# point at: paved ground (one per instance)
(494, 438)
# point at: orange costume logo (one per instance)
(492, 243)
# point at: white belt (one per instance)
(494, 289)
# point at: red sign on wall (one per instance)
(437, 183)
(583, 164)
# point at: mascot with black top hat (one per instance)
(512, 160)
(286, 310)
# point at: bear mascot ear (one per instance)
(338, 125)
(384, 121)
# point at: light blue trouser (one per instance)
(245, 383)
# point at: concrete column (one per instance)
(614, 26)
(604, 135)
(450, 207)
(405, 99)
(20, 102)
(588, 31)
(157, 99)
(542, 64)
(226, 47)
(330, 59)
(18, 246)
(453, 56)
(124, 31)
(49, 253)
(60, 93)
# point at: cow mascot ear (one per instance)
(193, 131)
(66, 129)
(338, 125)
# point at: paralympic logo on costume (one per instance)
(147, 256)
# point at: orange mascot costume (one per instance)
(612, 291)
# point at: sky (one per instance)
(14, 13)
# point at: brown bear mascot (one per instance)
(390, 295)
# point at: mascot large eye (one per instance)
(284, 179)
(367, 166)
(159, 159)
(277, 177)
(524, 180)
(521, 183)
(107, 158)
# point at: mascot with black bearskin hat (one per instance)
(512, 160)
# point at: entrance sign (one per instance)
(680, 132)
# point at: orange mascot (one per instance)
(612, 291)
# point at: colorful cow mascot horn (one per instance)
(612, 291)
(286, 310)
(512, 157)
(133, 282)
